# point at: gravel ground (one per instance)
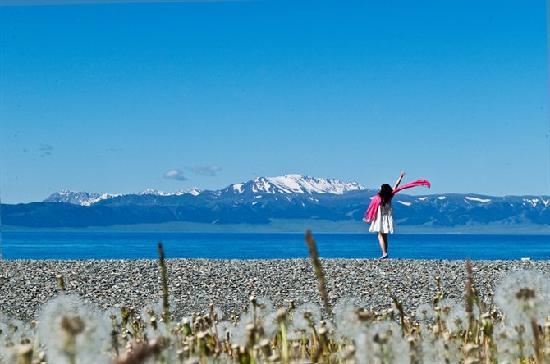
(194, 283)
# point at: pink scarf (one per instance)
(370, 213)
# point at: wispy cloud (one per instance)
(205, 170)
(175, 174)
(45, 150)
(114, 149)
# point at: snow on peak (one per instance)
(91, 198)
(535, 201)
(152, 191)
(296, 183)
(103, 196)
(194, 191)
(287, 184)
(79, 198)
(477, 199)
(237, 187)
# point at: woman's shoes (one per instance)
(384, 256)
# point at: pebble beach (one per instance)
(25, 285)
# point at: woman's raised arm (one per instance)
(398, 182)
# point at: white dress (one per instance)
(384, 221)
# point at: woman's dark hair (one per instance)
(385, 193)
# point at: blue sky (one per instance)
(109, 98)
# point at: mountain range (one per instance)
(265, 199)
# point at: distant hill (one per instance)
(258, 201)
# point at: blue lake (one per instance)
(134, 245)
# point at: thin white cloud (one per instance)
(175, 174)
(205, 170)
(114, 149)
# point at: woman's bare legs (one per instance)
(383, 241)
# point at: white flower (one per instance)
(425, 312)
(347, 324)
(512, 342)
(523, 296)
(91, 340)
(432, 349)
(453, 314)
(382, 343)
(223, 328)
(218, 313)
(264, 305)
(239, 332)
(305, 315)
(270, 324)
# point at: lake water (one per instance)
(133, 245)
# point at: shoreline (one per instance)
(25, 285)
(402, 231)
(290, 227)
(525, 260)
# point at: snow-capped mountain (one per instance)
(152, 191)
(287, 184)
(294, 183)
(91, 198)
(266, 199)
(194, 191)
(79, 198)
(155, 192)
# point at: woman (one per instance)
(379, 213)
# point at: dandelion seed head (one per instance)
(347, 323)
(270, 324)
(223, 328)
(516, 305)
(264, 304)
(305, 315)
(218, 313)
(432, 349)
(425, 312)
(239, 332)
(92, 343)
(453, 314)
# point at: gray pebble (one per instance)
(25, 285)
